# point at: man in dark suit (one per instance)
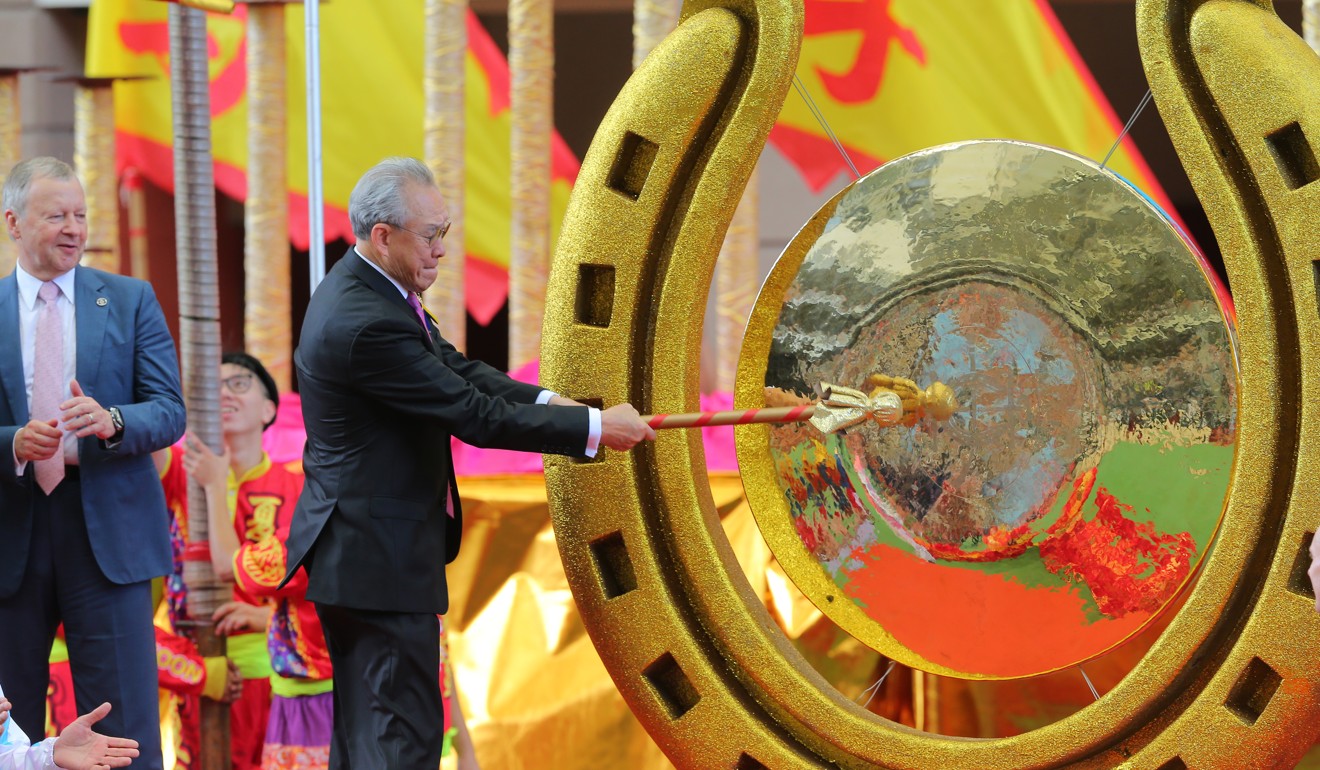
(90, 385)
(379, 516)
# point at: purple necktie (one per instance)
(47, 379)
(421, 314)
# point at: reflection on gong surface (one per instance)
(1079, 484)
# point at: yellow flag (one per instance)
(895, 76)
(371, 80)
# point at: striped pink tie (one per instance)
(48, 379)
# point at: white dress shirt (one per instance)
(18, 753)
(29, 307)
(593, 414)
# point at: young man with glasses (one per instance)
(249, 502)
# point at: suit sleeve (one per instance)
(389, 363)
(155, 419)
(486, 378)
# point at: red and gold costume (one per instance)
(299, 729)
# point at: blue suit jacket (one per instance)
(126, 359)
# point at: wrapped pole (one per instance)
(267, 310)
(1311, 23)
(11, 127)
(737, 274)
(444, 140)
(94, 161)
(133, 197)
(199, 327)
(531, 95)
(652, 21)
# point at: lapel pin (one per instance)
(102, 302)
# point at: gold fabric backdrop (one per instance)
(537, 696)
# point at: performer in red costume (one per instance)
(249, 548)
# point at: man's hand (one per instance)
(621, 427)
(83, 417)
(235, 617)
(203, 464)
(37, 441)
(81, 748)
(5, 706)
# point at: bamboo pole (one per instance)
(11, 129)
(444, 136)
(199, 311)
(94, 161)
(267, 309)
(531, 68)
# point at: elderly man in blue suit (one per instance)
(89, 387)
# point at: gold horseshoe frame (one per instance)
(1233, 682)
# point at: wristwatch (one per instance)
(117, 420)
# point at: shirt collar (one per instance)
(29, 285)
(397, 285)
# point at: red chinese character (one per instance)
(873, 20)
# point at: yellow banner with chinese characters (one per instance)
(371, 82)
(895, 76)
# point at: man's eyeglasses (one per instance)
(239, 383)
(439, 233)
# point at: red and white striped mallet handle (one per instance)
(776, 414)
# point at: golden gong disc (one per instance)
(1076, 489)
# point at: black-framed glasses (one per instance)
(238, 383)
(439, 233)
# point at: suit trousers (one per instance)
(108, 627)
(388, 711)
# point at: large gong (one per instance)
(1079, 484)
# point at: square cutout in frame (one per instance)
(1294, 155)
(1254, 689)
(613, 565)
(632, 165)
(672, 685)
(594, 303)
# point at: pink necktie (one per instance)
(48, 379)
(417, 308)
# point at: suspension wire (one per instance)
(824, 124)
(875, 688)
(1094, 693)
(1145, 100)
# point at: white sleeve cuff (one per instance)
(593, 435)
(544, 396)
(19, 467)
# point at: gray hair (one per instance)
(379, 196)
(20, 179)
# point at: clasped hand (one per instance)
(81, 415)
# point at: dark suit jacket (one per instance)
(126, 359)
(380, 399)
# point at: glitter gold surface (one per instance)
(94, 158)
(1231, 682)
(267, 321)
(531, 97)
(10, 125)
(443, 138)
